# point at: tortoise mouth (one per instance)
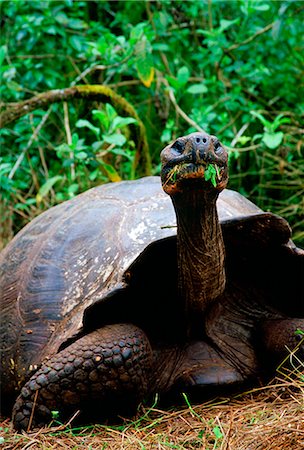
(209, 175)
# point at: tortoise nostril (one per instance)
(204, 140)
(198, 140)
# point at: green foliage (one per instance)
(211, 173)
(234, 69)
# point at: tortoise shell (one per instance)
(106, 255)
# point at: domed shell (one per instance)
(77, 253)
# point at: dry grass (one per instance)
(270, 417)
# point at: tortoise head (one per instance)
(197, 159)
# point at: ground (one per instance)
(265, 418)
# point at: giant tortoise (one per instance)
(120, 293)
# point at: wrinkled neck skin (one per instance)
(200, 255)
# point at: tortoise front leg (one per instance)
(105, 372)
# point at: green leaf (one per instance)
(3, 51)
(225, 24)
(137, 31)
(197, 89)
(46, 187)
(110, 111)
(81, 155)
(173, 82)
(110, 171)
(120, 122)
(12, 85)
(116, 139)
(183, 75)
(273, 140)
(72, 189)
(217, 432)
(211, 174)
(55, 414)
(262, 119)
(259, 7)
(76, 43)
(77, 24)
(93, 175)
(121, 152)
(144, 62)
(299, 332)
(62, 18)
(82, 123)
(102, 117)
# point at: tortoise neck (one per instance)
(200, 253)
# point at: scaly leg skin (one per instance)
(104, 371)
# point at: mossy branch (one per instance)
(87, 92)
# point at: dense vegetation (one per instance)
(234, 69)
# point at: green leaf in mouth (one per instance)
(211, 173)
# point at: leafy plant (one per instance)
(212, 173)
(271, 138)
(233, 69)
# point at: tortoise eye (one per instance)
(178, 146)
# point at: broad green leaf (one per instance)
(225, 24)
(77, 24)
(102, 117)
(166, 135)
(75, 139)
(116, 139)
(111, 172)
(144, 61)
(173, 82)
(183, 75)
(93, 175)
(76, 42)
(217, 432)
(259, 7)
(62, 148)
(243, 139)
(211, 174)
(81, 155)
(137, 31)
(12, 85)
(82, 123)
(62, 18)
(96, 146)
(28, 202)
(120, 122)
(121, 152)
(72, 189)
(273, 140)
(279, 120)
(3, 50)
(262, 119)
(160, 46)
(111, 111)
(197, 89)
(46, 187)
